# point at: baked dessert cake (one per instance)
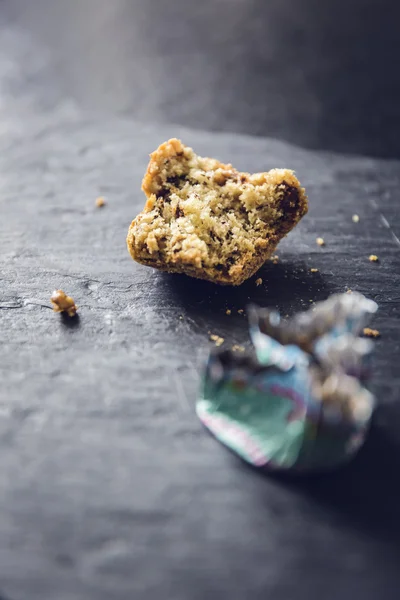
(206, 219)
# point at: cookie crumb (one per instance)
(371, 332)
(274, 259)
(258, 281)
(314, 270)
(349, 292)
(355, 218)
(237, 348)
(63, 303)
(228, 311)
(320, 241)
(100, 201)
(373, 258)
(240, 311)
(217, 339)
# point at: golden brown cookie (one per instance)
(207, 220)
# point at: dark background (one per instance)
(109, 486)
(318, 74)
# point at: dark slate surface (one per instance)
(320, 73)
(109, 487)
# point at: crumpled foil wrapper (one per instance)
(298, 399)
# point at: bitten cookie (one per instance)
(207, 220)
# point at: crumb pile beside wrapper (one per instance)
(298, 399)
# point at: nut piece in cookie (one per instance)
(205, 219)
(63, 303)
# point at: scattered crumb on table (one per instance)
(314, 270)
(349, 292)
(320, 241)
(237, 348)
(274, 259)
(100, 201)
(241, 311)
(217, 339)
(63, 303)
(355, 218)
(371, 332)
(373, 258)
(228, 311)
(259, 281)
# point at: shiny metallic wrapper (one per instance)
(297, 400)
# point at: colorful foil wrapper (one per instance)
(298, 399)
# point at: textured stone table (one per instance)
(109, 487)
